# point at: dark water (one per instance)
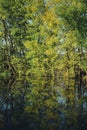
(41, 104)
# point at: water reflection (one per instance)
(40, 104)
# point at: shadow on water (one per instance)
(40, 104)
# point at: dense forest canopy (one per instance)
(42, 39)
(39, 37)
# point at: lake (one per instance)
(41, 104)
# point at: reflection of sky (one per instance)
(61, 100)
(85, 103)
(85, 94)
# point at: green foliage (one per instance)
(43, 38)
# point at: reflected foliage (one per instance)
(40, 104)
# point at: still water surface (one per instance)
(41, 104)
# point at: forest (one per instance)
(43, 64)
